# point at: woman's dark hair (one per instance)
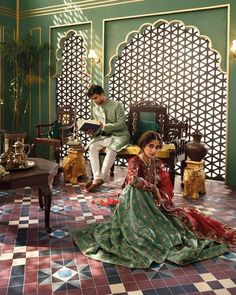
(147, 137)
(95, 89)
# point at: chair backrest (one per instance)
(176, 129)
(66, 115)
(149, 115)
(144, 116)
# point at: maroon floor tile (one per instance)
(131, 286)
(232, 291)
(74, 292)
(184, 280)
(5, 272)
(98, 272)
(178, 272)
(3, 283)
(3, 291)
(45, 289)
(31, 277)
(102, 290)
(144, 284)
(127, 278)
(171, 282)
(30, 289)
(221, 275)
(158, 283)
(140, 276)
(195, 278)
(85, 284)
(100, 281)
(89, 291)
(123, 270)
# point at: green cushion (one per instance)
(55, 130)
(145, 125)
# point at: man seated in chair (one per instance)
(113, 134)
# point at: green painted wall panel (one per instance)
(11, 4)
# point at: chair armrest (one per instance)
(43, 125)
(175, 129)
(67, 127)
(43, 129)
(179, 146)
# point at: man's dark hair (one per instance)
(95, 89)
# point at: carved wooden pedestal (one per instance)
(194, 179)
(74, 165)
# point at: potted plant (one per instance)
(22, 61)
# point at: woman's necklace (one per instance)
(147, 164)
(151, 173)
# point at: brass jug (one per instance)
(20, 154)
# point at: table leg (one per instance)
(45, 199)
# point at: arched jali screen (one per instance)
(74, 81)
(176, 66)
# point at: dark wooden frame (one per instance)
(66, 115)
(171, 130)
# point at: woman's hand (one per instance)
(100, 122)
(157, 196)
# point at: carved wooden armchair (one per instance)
(59, 132)
(148, 115)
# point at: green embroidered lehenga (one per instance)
(142, 231)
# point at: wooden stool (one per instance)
(74, 165)
(194, 179)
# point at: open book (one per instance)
(85, 125)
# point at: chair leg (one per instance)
(172, 173)
(112, 170)
(182, 167)
(57, 154)
(33, 151)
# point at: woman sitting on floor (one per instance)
(146, 227)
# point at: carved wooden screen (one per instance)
(175, 66)
(73, 83)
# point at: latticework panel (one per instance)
(73, 83)
(175, 66)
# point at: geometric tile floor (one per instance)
(33, 262)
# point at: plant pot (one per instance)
(195, 149)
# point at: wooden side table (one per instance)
(40, 176)
(194, 179)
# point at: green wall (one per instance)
(7, 27)
(105, 25)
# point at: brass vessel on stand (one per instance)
(194, 174)
(196, 150)
(15, 156)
